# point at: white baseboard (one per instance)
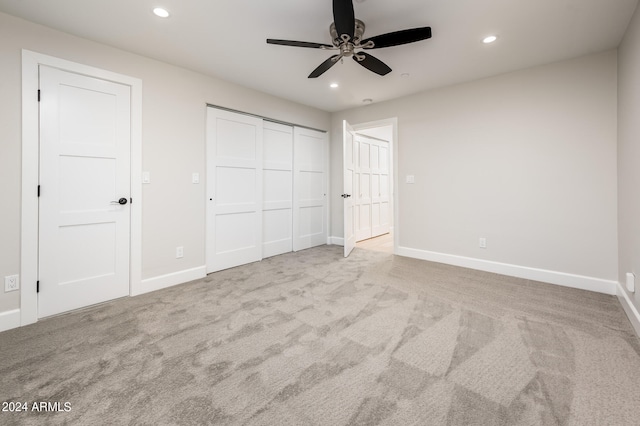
(629, 308)
(336, 241)
(168, 280)
(552, 277)
(9, 320)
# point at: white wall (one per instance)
(173, 130)
(629, 165)
(525, 159)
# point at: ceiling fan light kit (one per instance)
(346, 34)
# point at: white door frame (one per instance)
(30, 171)
(393, 122)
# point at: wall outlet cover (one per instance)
(631, 282)
(11, 283)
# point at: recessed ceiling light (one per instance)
(333, 85)
(489, 39)
(163, 13)
(367, 101)
(404, 75)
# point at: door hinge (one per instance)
(38, 190)
(38, 95)
(37, 286)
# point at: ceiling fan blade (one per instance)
(324, 66)
(372, 63)
(399, 37)
(344, 18)
(299, 43)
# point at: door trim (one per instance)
(393, 122)
(30, 171)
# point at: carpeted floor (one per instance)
(314, 339)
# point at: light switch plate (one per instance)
(195, 178)
(411, 179)
(146, 177)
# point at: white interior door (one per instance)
(309, 188)
(85, 140)
(348, 156)
(234, 189)
(277, 211)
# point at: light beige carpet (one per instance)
(314, 339)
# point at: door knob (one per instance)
(346, 195)
(122, 201)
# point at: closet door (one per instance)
(380, 188)
(234, 189)
(310, 153)
(363, 193)
(277, 210)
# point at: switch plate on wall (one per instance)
(11, 283)
(195, 178)
(179, 252)
(482, 243)
(411, 179)
(146, 177)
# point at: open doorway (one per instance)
(373, 192)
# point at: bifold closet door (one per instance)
(277, 211)
(309, 188)
(373, 188)
(363, 189)
(234, 189)
(380, 188)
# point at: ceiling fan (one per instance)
(346, 34)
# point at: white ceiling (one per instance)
(226, 39)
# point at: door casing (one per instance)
(31, 62)
(393, 122)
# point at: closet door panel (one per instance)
(234, 189)
(310, 153)
(277, 216)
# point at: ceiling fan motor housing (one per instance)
(357, 36)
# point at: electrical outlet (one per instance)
(11, 283)
(179, 252)
(631, 282)
(482, 243)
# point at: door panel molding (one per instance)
(30, 167)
